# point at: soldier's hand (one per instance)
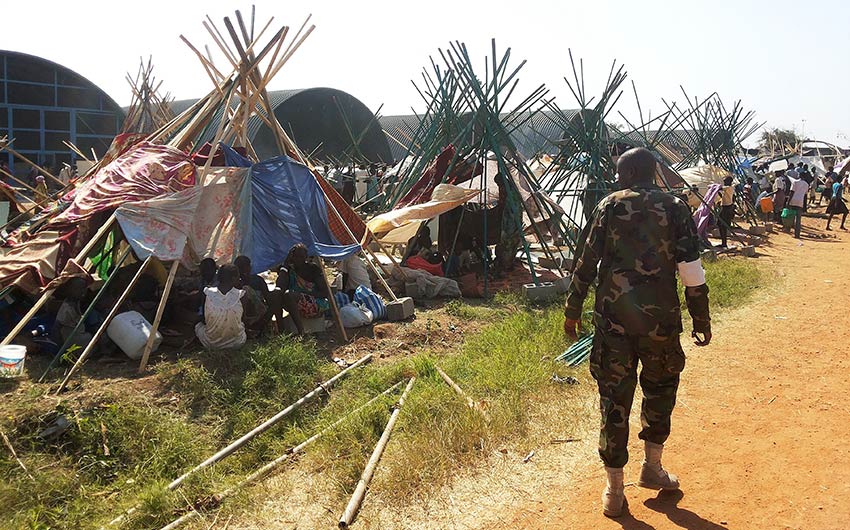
(704, 341)
(572, 327)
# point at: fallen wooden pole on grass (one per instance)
(14, 454)
(268, 468)
(266, 425)
(369, 471)
(247, 437)
(469, 402)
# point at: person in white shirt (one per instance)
(222, 327)
(797, 201)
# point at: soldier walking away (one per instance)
(638, 238)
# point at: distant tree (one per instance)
(778, 137)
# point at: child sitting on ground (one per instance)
(222, 326)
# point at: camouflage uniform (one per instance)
(637, 237)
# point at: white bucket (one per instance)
(12, 359)
(130, 331)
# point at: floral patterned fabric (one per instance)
(207, 217)
(145, 171)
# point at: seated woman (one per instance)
(222, 326)
(305, 291)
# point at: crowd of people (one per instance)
(784, 199)
(233, 303)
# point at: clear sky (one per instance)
(788, 61)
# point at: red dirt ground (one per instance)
(760, 433)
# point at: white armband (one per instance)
(691, 273)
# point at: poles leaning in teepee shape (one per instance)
(102, 329)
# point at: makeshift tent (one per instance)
(399, 225)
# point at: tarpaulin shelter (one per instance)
(260, 211)
(171, 208)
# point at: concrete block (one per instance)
(748, 251)
(758, 230)
(544, 292)
(400, 309)
(709, 255)
(562, 284)
(311, 325)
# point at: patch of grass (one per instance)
(732, 282)
(126, 450)
(116, 446)
(503, 366)
(467, 311)
(507, 367)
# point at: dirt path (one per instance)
(760, 434)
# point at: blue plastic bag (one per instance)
(372, 301)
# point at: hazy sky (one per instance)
(785, 60)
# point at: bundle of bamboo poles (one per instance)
(476, 114)
(148, 109)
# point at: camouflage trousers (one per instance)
(614, 365)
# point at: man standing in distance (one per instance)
(638, 238)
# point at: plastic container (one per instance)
(766, 204)
(130, 331)
(12, 359)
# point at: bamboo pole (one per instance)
(264, 471)
(15, 455)
(158, 318)
(369, 471)
(247, 437)
(45, 296)
(30, 162)
(332, 302)
(71, 336)
(102, 329)
(269, 423)
(454, 386)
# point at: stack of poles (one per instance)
(716, 136)
(471, 114)
(583, 166)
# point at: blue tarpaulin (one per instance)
(287, 207)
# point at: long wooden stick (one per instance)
(14, 454)
(264, 471)
(454, 386)
(159, 311)
(369, 471)
(247, 437)
(30, 162)
(332, 302)
(102, 329)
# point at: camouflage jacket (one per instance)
(633, 242)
